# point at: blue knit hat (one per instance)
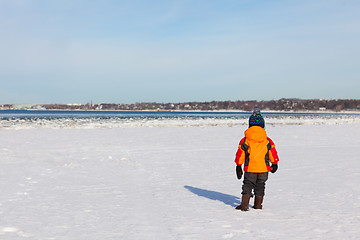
(256, 119)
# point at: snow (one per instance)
(136, 182)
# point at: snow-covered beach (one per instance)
(172, 179)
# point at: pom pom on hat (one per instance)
(256, 119)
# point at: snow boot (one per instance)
(244, 206)
(258, 202)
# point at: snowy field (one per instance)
(177, 182)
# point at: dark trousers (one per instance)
(256, 182)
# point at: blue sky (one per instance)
(77, 51)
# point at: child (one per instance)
(256, 151)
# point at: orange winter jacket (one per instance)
(256, 151)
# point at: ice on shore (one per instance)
(126, 122)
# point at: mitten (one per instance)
(274, 168)
(239, 172)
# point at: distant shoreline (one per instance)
(281, 105)
(190, 111)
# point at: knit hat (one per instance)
(256, 119)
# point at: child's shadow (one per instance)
(230, 200)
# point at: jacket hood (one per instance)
(255, 134)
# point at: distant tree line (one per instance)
(272, 105)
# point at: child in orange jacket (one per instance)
(256, 152)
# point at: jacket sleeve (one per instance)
(240, 154)
(274, 159)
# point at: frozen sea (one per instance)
(114, 177)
